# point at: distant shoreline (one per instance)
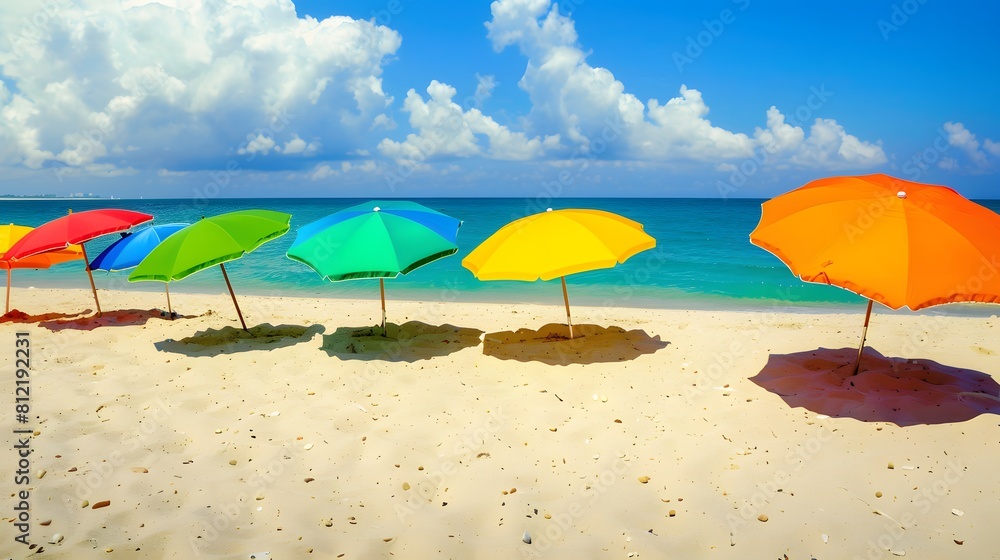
(151, 199)
(30, 198)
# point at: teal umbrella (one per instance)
(377, 239)
(209, 242)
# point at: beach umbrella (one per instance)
(76, 229)
(892, 241)
(129, 251)
(209, 242)
(377, 239)
(556, 243)
(11, 234)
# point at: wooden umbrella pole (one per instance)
(569, 320)
(93, 287)
(381, 289)
(864, 333)
(170, 311)
(6, 307)
(231, 293)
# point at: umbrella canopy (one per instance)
(76, 228)
(209, 242)
(556, 243)
(129, 251)
(893, 241)
(377, 239)
(11, 234)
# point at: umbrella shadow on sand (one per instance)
(904, 392)
(409, 342)
(15, 316)
(552, 345)
(116, 318)
(230, 340)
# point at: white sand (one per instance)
(667, 396)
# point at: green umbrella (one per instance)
(209, 242)
(377, 239)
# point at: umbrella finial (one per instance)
(376, 209)
(901, 194)
(548, 209)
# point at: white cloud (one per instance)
(326, 170)
(323, 171)
(589, 109)
(186, 81)
(383, 121)
(678, 129)
(298, 146)
(484, 87)
(826, 146)
(445, 129)
(963, 139)
(779, 137)
(992, 147)
(366, 166)
(258, 144)
(19, 141)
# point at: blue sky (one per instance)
(742, 98)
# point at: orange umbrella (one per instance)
(11, 234)
(892, 241)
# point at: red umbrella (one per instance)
(75, 229)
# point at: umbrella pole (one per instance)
(170, 311)
(93, 288)
(381, 289)
(6, 307)
(230, 286)
(864, 333)
(569, 321)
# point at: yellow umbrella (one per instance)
(11, 234)
(555, 243)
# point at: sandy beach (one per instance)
(656, 434)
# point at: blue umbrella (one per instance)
(129, 251)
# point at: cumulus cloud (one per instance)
(298, 146)
(993, 148)
(445, 129)
(326, 170)
(589, 109)
(257, 145)
(827, 145)
(323, 171)
(186, 82)
(981, 155)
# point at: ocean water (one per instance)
(703, 258)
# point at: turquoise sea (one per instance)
(703, 258)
